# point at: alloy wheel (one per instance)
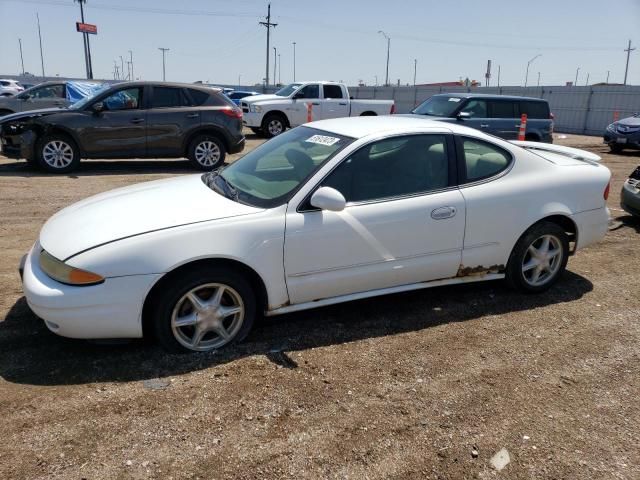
(57, 154)
(207, 153)
(275, 127)
(542, 260)
(207, 317)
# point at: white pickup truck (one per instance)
(270, 115)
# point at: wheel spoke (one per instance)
(530, 264)
(197, 336)
(533, 251)
(221, 331)
(217, 297)
(228, 311)
(544, 246)
(187, 320)
(536, 274)
(198, 304)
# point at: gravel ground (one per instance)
(426, 384)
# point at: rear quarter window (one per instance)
(198, 97)
(536, 110)
(479, 160)
(502, 109)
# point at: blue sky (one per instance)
(218, 40)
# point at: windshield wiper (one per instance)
(220, 185)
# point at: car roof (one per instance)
(488, 96)
(358, 127)
(168, 84)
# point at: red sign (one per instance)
(86, 28)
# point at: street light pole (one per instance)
(279, 70)
(275, 61)
(294, 61)
(164, 50)
(576, 82)
(386, 83)
(40, 37)
(21, 58)
(526, 77)
(131, 61)
(538, 79)
(415, 69)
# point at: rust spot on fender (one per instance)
(478, 271)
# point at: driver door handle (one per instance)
(137, 120)
(443, 212)
(484, 125)
(193, 115)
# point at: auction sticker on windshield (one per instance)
(323, 140)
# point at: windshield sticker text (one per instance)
(322, 140)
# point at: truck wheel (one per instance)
(57, 153)
(273, 125)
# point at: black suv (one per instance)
(129, 120)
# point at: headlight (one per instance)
(256, 108)
(612, 127)
(64, 273)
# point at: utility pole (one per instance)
(294, 61)
(538, 79)
(576, 82)
(122, 66)
(275, 65)
(131, 61)
(415, 69)
(40, 36)
(129, 76)
(587, 82)
(498, 75)
(376, 80)
(279, 70)
(87, 47)
(607, 77)
(526, 77)
(164, 50)
(239, 76)
(626, 69)
(386, 83)
(21, 58)
(269, 25)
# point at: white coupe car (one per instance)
(332, 211)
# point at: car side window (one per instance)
(502, 109)
(168, 97)
(310, 91)
(482, 159)
(535, 110)
(393, 167)
(198, 96)
(475, 108)
(128, 99)
(332, 91)
(48, 91)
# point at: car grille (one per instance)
(626, 129)
(245, 107)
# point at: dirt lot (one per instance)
(427, 384)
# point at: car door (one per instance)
(46, 96)
(477, 118)
(334, 102)
(504, 121)
(404, 222)
(169, 118)
(297, 112)
(119, 129)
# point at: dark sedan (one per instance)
(128, 120)
(630, 195)
(623, 134)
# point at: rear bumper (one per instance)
(592, 226)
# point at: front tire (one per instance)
(57, 153)
(273, 125)
(206, 309)
(615, 148)
(538, 258)
(206, 152)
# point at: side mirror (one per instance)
(97, 107)
(327, 198)
(464, 116)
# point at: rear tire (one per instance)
(193, 313)
(273, 125)
(538, 258)
(206, 152)
(57, 153)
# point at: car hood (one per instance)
(135, 210)
(631, 121)
(30, 114)
(261, 98)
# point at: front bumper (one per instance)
(112, 309)
(630, 198)
(631, 140)
(252, 119)
(19, 145)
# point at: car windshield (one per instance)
(438, 106)
(288, 90)
(269, 175)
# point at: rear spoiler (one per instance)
(558, 149)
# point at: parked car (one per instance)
(630, 195)
(270, 115)
(237, 95)
(49, 95)
(495, 114)
(128, 120)
(623, 134)
(329, 212)
(8, 88)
